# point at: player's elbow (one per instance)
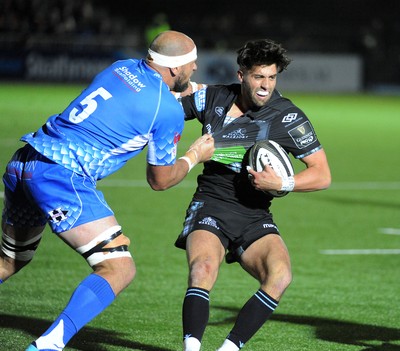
(325, 180)
(158, 177)
(157, 186)
(325, 185)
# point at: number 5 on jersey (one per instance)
(91, 104)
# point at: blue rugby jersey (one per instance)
(124, 109)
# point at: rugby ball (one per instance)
(268, 152)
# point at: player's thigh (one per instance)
(202, 244)
(83, 234)
(101, 242)
(266, 256)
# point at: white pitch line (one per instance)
(187, 183)
(390, 231)
(128, 183)
(365, 186)
(362, 252)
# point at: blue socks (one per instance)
(90, 298)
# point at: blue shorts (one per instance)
(39, 191)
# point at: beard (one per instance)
(180, 85)
(251, 99)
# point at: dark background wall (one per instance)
(368, 28)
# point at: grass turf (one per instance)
(337, 302)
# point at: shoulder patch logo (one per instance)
(289, 118)
(303, 135)
(200, 99)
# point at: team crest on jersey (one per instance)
(58, 215)
(303, 135)
(219, 110)
(301, 130)
(177, 137)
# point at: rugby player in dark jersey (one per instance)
(229, 216)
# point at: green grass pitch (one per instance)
(344, 243)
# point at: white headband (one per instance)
(173, 61)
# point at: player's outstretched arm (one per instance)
(164, 177)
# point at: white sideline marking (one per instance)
(126, 183)
(365, 186)
(1, 194)
(362, 252)
(188, 183)
(390, 231)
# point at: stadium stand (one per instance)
(359, 27)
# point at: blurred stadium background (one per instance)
(336, 45)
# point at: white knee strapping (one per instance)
(20, 250)
(99, 256)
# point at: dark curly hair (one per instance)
(262, 52)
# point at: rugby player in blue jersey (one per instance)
(52, 179)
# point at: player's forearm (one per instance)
(312, 179)
(317, 175)
(164, 177)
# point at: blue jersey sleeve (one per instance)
(162, 148)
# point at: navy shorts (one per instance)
(236, 226)
(39, 191)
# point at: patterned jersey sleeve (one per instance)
(194, 105)
(165, 134)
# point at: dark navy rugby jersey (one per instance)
(280, 120)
